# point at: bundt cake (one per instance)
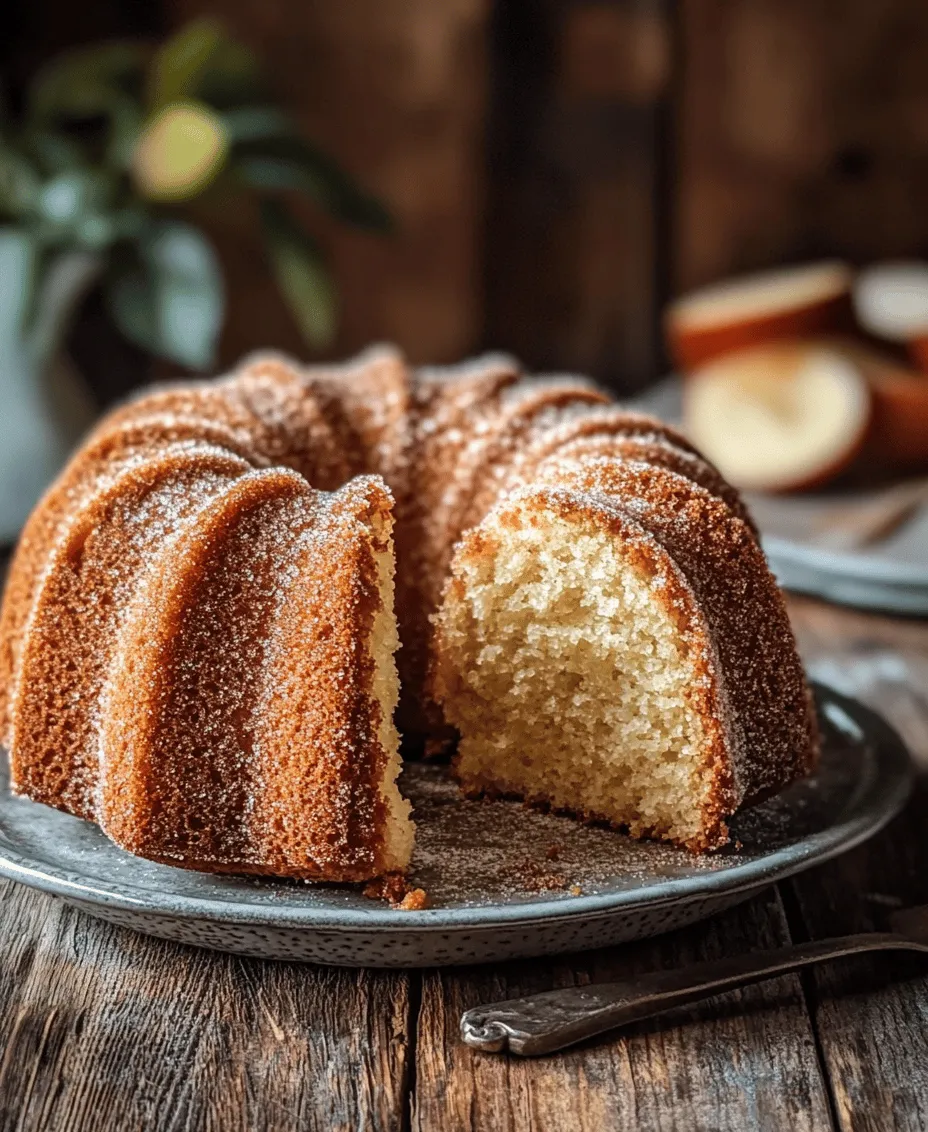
(198, 632)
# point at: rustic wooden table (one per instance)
(103, 1029)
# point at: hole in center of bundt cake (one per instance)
(568, 679)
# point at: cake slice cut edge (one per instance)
(575, 664)
(399, 829)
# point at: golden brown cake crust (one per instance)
(657, 450)
(110, 448)
(243, 657)
(76, 614)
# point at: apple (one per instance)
(792, 302)
(891, 302)
(780, 417)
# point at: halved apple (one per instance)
(897, 439)
(792, 302)
(891, 299)
(891, 302)
(780, 417)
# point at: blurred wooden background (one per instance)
(559, 168)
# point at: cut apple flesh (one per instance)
(891, 300)
(796, 302)
(779, 417)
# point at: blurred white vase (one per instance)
(45, 408)
(44, 405)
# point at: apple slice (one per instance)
(792, 302)
(891, 302)
(897, 440)
(779, 417)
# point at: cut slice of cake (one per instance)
(615, 647)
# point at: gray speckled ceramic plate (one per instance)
(505, 881)
(891, 576)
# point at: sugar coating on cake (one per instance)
(218, 608)
(76, 614)
(261, 652)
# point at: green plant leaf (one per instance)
(85, 81)
(99, 83)
(66, 278)
(180, 62)
(290, 163)
(253, 123)
(202, 61)
(19, 183)
(64, 199)
(129, 222)
(232, 78)
(18, 264)
(168, 298)
(125, 125)
(132, 303)
(301, 273)
(54, 153)
(77, 208)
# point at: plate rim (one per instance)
(873, 595)
(881, 800)
(859, 567)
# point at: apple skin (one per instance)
(892, 438)
(897, 440)
(691, 347)
(917, 349)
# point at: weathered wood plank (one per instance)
(741, 1061)
(800, 133)
(102, 1028)
(575, 226)
(871, 1013)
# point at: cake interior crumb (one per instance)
(397, 892)
(399, 833)
(565, 674)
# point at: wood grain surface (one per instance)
(576, 228)
(104, 1029)
(743, 1060)
(800, 133)
(870, 1015)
